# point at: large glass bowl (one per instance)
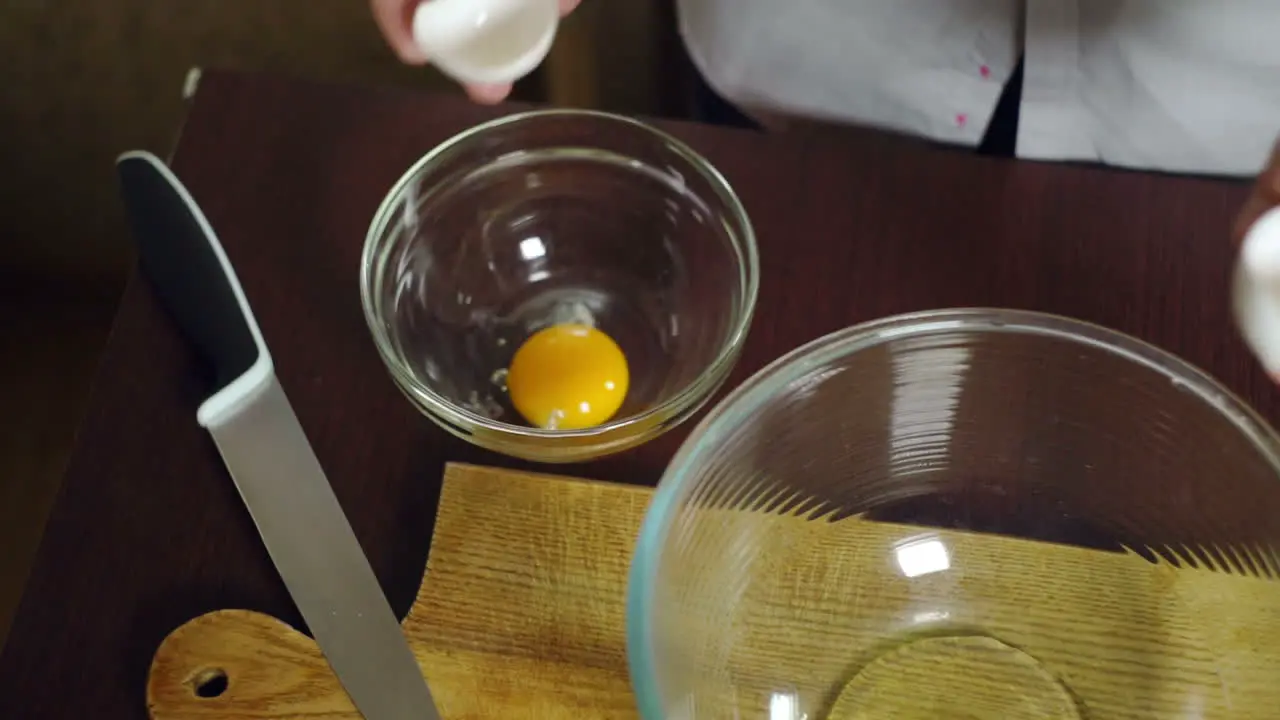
(559, 217)
(969, 513)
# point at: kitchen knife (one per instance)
(267, 453)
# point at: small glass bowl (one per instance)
(553, 217)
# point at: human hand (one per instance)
(395, 19)
(1265, 195)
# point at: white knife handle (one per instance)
(185, 263)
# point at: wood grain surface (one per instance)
(521, 614)
(148, 531)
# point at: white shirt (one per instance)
(1175, 85)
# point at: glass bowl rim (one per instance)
(692, 393)
(747, 400)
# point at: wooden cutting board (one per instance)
(521, 615)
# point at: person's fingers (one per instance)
(489, 94)
(395, 20)
(1264, 196)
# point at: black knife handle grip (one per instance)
(183, 260)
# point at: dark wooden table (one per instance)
(149, 531)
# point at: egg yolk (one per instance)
(568, 377)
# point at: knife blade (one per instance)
(267, 453)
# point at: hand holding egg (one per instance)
(396, 20)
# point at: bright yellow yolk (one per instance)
(568, 377)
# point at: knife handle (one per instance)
(185, 263)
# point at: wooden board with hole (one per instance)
(521, 615)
